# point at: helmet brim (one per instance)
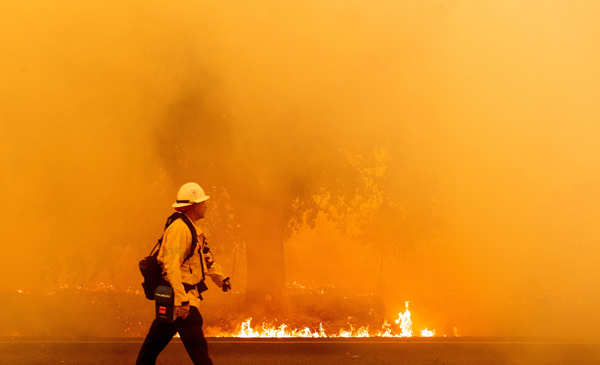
(180, 205)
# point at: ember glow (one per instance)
(404, 328)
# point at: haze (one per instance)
(442, 152)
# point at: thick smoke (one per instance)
(443, 152)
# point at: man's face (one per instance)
(200, 209)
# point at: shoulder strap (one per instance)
(188, 223)
(172, 218)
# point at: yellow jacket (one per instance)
(176, 245)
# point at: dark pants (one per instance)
(191, 334)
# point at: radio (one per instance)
(164, 301)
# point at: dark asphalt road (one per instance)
(241, 352)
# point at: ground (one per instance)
(355, 352)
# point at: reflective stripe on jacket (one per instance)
(176, 245)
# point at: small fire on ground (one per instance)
(403, 328)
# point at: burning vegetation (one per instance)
(404, 328)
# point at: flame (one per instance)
(363, 332)
(386, 330)
(345, 333)
(405, 322)
(266, 330)
(282, 331)
(321, 330)
(427, 333)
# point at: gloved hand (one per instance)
(182, 311)
(226, 284)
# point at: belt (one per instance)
(200, 286)
(188, 287)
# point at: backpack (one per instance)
(150, 267)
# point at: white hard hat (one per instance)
(188, 194)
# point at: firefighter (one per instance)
(186, 277)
